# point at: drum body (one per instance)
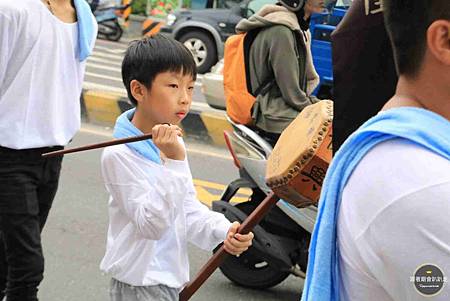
(297, 166)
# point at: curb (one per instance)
(140, 26)
(103, 108)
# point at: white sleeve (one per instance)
(413, 231)
(205, 228)
(8, 37)
(147, 204)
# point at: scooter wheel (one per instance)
(250, 271)
(116, 34)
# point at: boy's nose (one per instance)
(185, 98)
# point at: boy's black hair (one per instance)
(146, 58)
(407, 22)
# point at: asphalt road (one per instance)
(74, 237)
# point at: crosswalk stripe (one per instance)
(116, 51)
(127, 40)
(99, 60)
(106, 88)
(103, 76)
(98, 66)
(107, 55)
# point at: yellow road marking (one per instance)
(213, 185)
(207, 197)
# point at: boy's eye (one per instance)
(191, 88)
(173, 86)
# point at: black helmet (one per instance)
(293, 5)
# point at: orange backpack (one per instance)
(236, 81)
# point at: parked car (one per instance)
(212, 87)
(204, 31)
(322, 25)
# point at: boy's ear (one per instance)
(138, 90)
(438, 40)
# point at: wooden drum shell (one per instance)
(295, 173)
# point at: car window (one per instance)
(256, 5)
(344, 3)
(198, 4)
(227, 3)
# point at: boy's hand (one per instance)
(237, 243)
(165, 138)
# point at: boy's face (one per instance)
(169, 98)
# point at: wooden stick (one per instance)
(214, 262)
(97, 145)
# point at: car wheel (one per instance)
(202, 48)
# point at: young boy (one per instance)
(153, 208)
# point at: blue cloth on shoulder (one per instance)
(125, 129)
(425, 128)
(87, 28)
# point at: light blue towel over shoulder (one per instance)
(124, 128)
(87, 29)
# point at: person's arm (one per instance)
(283, 59)
(312, 77)
(143, 201)
(413, 231)
(205, 228)
(8, 38)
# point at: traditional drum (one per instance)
(297, 166)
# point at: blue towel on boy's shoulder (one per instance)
(420, 126)
(87, 29)
(125, 129)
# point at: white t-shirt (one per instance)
(153, 213)
(40, 76)
(394, 217)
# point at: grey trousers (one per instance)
(120, 291)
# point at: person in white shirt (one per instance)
(153, 209)
(43, 46)
(383, 229)
(394, 215)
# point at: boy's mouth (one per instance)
(181, 115)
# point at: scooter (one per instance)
(107, 17)
(280, 246)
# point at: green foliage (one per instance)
(187, 3)
(139, 7)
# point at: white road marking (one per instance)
(104, 76)
(98, 66)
